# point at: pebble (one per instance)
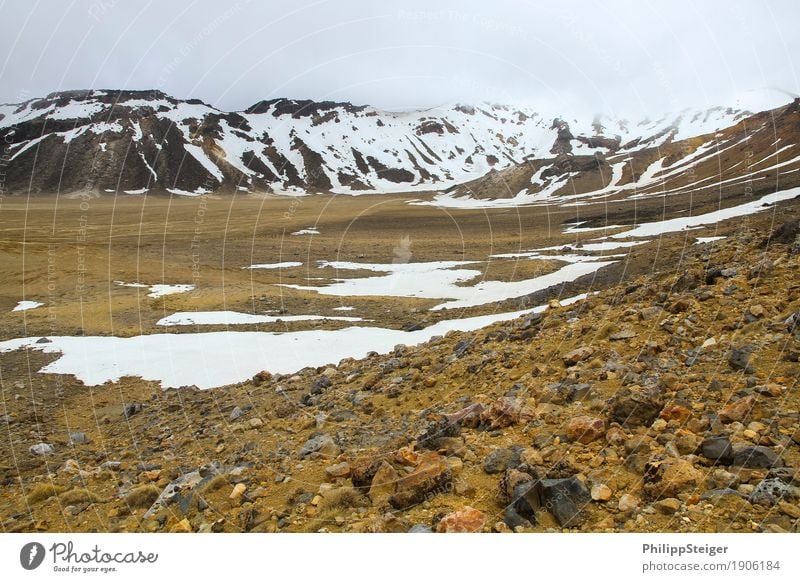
(628, 502)
(42, 449)
(601, 492)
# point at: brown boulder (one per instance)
(431, 476)
(577, 355)
(505, 412)
(465, 520)
(585, 429)
(738, 410)
(669, 477)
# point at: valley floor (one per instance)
(637, 405)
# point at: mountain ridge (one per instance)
(134, 142)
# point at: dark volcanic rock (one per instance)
(756, 458)
(565, 499)
(717, 449)
(636, 406)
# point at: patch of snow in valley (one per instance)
(439, 280)
(284, 265)
(305, 231)
(239, 318)
(26, 305)
(701, 240)
(158, 290)
(651, 229)
(173, 359)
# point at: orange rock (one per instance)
(506, 411)
(432, 476)
(738, 410)
(669, 477)
(675, 412)
(465, 520)
(585, 429)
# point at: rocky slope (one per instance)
(146, 141)
(668, 402)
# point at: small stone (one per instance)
(717, 449)
(42, 449)
(635, 406)
(131, 409)
(420, 528)
(505, 412)
(531, 457)
(585, 429)
(669, 477)
(238, 491)
(577, 355)
(757, 310)
(739, 359)
(757, 457)
(236, 413)
(738, 410)
(255, 422)
(565, 499)
(384, 483)
(789, 509)
(501, 459)
(465, 520)
(769, 492)
(338, 471)
(78, 438)
(628, 502)
(322, 444)
(667, 506)
(431, 476)
(183, 526)
(601, 492)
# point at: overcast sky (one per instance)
(615, 57)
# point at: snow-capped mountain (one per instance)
(140, 141)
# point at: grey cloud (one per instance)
(619, 57)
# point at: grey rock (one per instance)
(420, 528)
(78, 438)
(111, 465)
(501, 459)
(131, 409)
(739, 359)
(722, 492)
(236, 413)
(42, 449)
(565, 499)
(321, 443)
(770, 492)
(757, 457)
(320, 384)
(717, 449)
(636, 406)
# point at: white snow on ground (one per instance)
(439, 280)
(158, 290)
(172, 359)
(594, 247)
(161, 290)
(199, 192)
(26, 305)
(284, 265)
(687, 222)
(305, 231)
(239, 318)
(701, 240)
(344, 308)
